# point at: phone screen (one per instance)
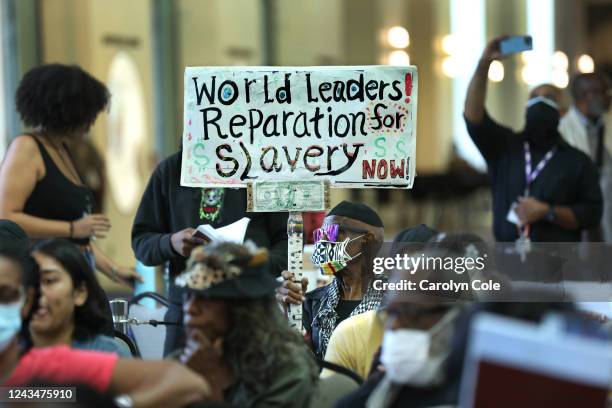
(516, 44)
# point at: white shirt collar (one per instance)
(586, 121)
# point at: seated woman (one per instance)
(71, 302)
(237, 337)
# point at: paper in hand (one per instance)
(234, 232)
(513, 216)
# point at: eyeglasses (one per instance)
(331, 231)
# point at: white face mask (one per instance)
(10, 322)
(416, 357)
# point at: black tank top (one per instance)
(55, 197)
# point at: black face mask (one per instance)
(541, 122)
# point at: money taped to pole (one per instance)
(279, 196)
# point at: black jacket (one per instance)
(310, 308)
(167, 207)
(312, 324)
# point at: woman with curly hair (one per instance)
(40, 187)
(237, 336)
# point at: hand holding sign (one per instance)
(291, 293)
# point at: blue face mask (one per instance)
(10, 322)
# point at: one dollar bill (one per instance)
(280, 196)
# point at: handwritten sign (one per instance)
(351, 126)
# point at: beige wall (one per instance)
(216, 32)
(427, 22)
(506, 99)
(65, 32)
(130, 20)
(310, 32)
(219, 32)
(571, 13)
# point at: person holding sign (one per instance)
(167, 219)
(543, 189)
(345, 247)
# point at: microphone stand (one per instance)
(151, 322)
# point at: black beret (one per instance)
(357, 211)
(419, 234)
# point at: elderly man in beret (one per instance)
(345, 246)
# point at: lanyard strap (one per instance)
(530, 176)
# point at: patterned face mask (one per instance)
(331, 256)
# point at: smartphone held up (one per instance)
(515, 44)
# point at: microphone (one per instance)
(121, 320)
(119, 310)
(151, 322)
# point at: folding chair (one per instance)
(330, 389)
(149, 338)
(122, 338)
(338, 369)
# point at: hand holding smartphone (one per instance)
(515, 44)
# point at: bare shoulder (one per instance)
(26, 139)
(25, 148)
(24, 152)
(25, 145)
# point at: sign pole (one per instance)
(295, 233)
(294, 197)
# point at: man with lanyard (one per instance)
(166, 220)
(543, 189)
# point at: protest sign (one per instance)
(351, 126)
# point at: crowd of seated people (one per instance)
(409, 349)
